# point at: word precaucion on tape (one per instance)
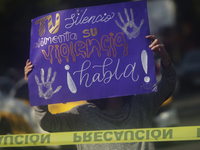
(102, 136)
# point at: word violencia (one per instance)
(107, 44)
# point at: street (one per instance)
(188, 108)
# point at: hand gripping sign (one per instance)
(91, 53)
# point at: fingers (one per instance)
(42, 75)
(28, 66)
(158, 47)
(27, 69)
(37, 80)
(27, 61)
(53, 78)
(57, 89)
(156, 44)
(120, 17)
(118, 24)
(49, 74)
(132, 17)
(126, 13)
(141, 23)
(151, 37)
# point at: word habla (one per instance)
(104, 73)
(84, 49)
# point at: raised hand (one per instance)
(27, 69)
(130, 24)
(46, 85)
(158, 48)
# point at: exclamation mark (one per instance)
(70, 82)
(144, 59)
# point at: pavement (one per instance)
(188, 108)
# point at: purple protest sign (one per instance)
(91, 53)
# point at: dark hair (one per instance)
(101, 103)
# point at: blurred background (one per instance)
(175, 22)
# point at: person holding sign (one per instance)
(128, 112)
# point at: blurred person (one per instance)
(5, 85)
(167, 115)
(16, 115)
(127, 112)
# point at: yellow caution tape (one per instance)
(102, 136)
